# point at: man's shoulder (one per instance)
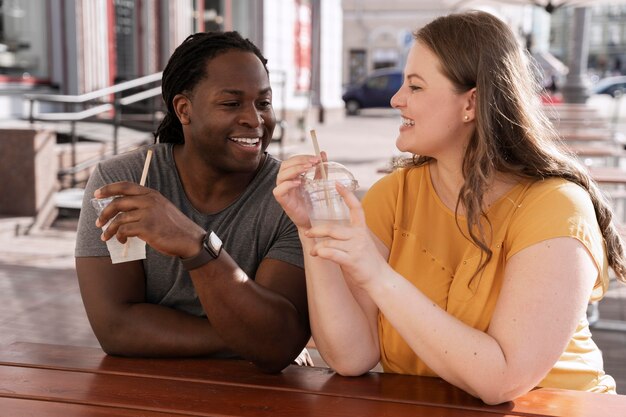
(271, 165)
(134, 157)
(266, 176)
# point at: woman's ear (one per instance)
(469, 111)
(182, 107)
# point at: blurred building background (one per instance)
(313, 46)
(315, 49)
(377, 33)
(77, 46)
(607, 40)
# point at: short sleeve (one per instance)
(287, 246)
(380, 203)
(125, 167)
(557, 208)
(88, 241)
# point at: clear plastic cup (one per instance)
(323, 202)
(134, 248)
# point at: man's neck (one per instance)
(208, 189)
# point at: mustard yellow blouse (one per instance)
(427, 248)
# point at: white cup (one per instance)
(134, 248)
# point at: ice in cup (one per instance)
(323, 202)
(132, 250)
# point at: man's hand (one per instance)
(146, 213)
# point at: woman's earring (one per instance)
(466, 117)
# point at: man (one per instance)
(223, 274)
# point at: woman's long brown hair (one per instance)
(512, 135)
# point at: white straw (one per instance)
(142, 182)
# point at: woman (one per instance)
(209, 182)
(476, 262)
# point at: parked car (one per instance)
(375, 90)
(610, 86)
(606, 99)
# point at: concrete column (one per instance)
(576, 87)
(28, 168)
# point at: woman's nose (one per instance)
(397, 99)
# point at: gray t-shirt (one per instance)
(252, 228)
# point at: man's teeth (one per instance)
(407, 122)
(246, 141)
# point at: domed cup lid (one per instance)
(313, 178)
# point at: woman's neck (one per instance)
(447, 180)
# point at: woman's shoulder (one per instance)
(558, 197)
(395, 185)
(403, 175)
(557, 189)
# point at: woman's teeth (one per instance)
(407, 122)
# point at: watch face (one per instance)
(214, 243)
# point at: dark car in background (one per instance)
(374, 91)
(610, 86)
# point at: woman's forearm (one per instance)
(464, 356)
(342, 328)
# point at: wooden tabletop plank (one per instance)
(198, 399)
(574, 121)
(574, 129)
(399, 388)
(608, 175)
(20, 407)
(588, 137)
(424, 391)
(602, 151)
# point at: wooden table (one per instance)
(52, 380)
(589, 137)
(603, 151)
(608, 175)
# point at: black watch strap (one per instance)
(211, 249)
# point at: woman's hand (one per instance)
(352, 247)
(145, 213)
(287, 191)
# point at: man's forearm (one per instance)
(255, 322)
(150, 330)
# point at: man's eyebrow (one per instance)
(232, 92)
(240, 92)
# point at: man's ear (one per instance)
(182, 107)
(469, 111)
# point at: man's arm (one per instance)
(264, 320)
(114, 299)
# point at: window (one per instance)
(23, 47)
(378, 83)
(357, 65)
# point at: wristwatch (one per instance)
(211, 249)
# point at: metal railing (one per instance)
(92, 104)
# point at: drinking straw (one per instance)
(142, 182)
(146, 165)
(324, 174)
(318, 154)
